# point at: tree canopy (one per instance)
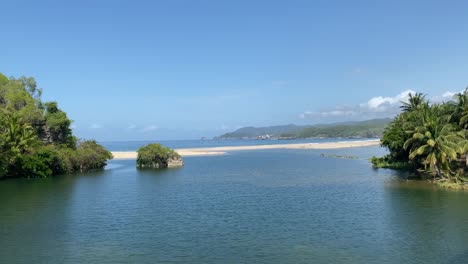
(155, 156)
(35, 137)
(429, 138)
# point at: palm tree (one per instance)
(462, 108)
(463, 145)
(19, 137)
(415, 101)
(460, 116)
(435, 142)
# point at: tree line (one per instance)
(35, 137)
(430, 138)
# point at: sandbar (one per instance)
(223, 150)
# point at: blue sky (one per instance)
(148, 70)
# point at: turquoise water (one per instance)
(268, 206)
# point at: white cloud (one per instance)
(339, 113)
(380, 103)
(131, 127)
(447, 96)
(306, 114)
(73, 126)
(376, 107)
(95, 126)
(150, 128)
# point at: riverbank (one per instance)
(223, 150)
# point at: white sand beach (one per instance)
(223, 150)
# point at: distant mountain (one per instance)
(253, 132)
(358, 129)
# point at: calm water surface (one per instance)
(274, 206)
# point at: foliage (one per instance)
(462, 109)
(42, 162)
(387, 163)
(429, 138)
(415, 102)
(434, 141)
(155, 156)
(90, 155)
(59, 125)
(35, 137)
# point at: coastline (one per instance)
(210, 151)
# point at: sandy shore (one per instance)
(224, 150)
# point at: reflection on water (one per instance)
(272, 206)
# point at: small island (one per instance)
(157, 156)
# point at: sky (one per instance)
(154, 70)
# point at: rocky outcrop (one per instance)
(175, 162)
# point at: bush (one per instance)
(90, 155)
(49, 160)
(388, 163)
(155, 156)
(41, 163)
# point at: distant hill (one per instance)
(359, 129)
(253, 132)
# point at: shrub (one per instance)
(89, 155)
(388, 163)
(41, 163)
(155, 156)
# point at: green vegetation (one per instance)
(387, 163)
(156, 156)
(363, 129)
(431, 139)
(35, 137)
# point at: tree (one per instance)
(462, 108)
(3, 79)
(19, 136)
(435, 142)
(415, 101)
(35, 137)
(22, 97)
(17, 139)
(157, 156)
(57, 126)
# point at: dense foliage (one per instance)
(155, 156)
(35, 137)
(429, 138)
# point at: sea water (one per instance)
(264, 206)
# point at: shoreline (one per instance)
(212, 151)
